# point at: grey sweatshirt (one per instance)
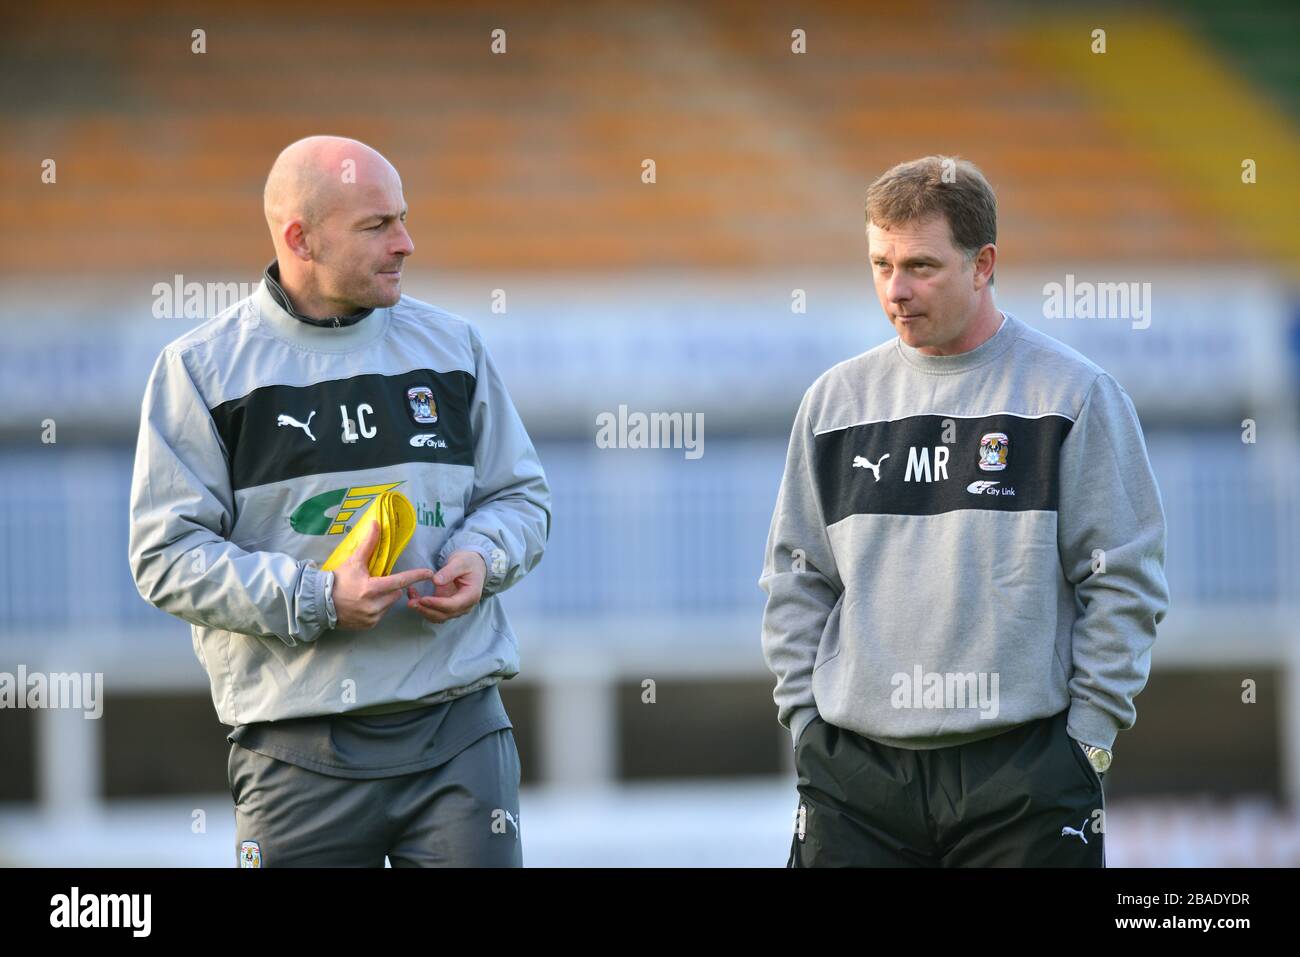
(263, 437)
(962, 544)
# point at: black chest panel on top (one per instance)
(280, 432)
(904, 467)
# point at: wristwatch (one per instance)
(1099, 758)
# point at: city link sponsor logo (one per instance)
(103, 910)
(989, 488)
(946, 689)
(312, 518)
(70, 691)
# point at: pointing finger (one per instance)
(402, 580)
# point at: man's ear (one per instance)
(985, 261)
(295, 238)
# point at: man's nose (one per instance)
(897, 288)
(404, 245)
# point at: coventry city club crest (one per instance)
(993, 451)
(423, 409)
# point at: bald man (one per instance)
(365, 714)
(338, 222)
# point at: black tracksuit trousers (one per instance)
(1025, 798)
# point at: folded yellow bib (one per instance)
(395, 515)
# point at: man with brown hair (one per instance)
(965, 565)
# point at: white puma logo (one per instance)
(1069, 830)
(512, 820)
(290, 420)
(861, 463)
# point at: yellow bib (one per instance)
(395, 516)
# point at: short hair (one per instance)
(948, 185)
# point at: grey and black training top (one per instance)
(962, 544)
(371, 745)
(262, 436)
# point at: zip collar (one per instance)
(272, 277)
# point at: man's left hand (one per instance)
(458, 587)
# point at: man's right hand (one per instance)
(361, 600)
